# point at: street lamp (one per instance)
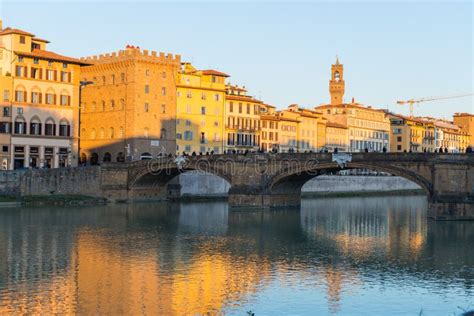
(82, 84)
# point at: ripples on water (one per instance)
(348, 256)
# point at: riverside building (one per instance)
(40, 103)
(129, 107)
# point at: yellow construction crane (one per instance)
(411, 102)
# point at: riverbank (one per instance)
(56, 200)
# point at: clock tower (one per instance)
(336, 84)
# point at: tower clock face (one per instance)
(337, 76)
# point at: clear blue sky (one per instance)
(282, 51)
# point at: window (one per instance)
(64, 76)
(163, 75)
(35, 73)
(147, 72)
(163, 91)
(22, 39)
(188, 123)
(20, 126)
(65, 100)
(146, 107)
(50, 98)
(179, 136)
(4, 128)
(188, 135)
(231, 107)
(20, 96)
(189, 94)
(203, 96)
(203, 110)
(248, 108)
(240, 107)
(399, 147)
(20, 59)
(92, 135)
(6, 112)
(122, 104)
(399, 138)
(122, 77)
(19, 111)
(50, 74)
(163, 108)
(216, 97)
(6, 95)
(50, 128)
(35, 127)
(18, 71)
(35, 97)
(5, 149)
(36, 61)
(64, 129)
(112, 133)
(163, 133)
(64, 65)
(147, 89)
(113, 79)
(112, 104)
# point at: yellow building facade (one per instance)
(410, 134)
(129, 107)
(465, 121)
(242, 117)
(269, 128)
(40, 103)
(200, 110)
(337, 137)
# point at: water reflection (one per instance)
(345, 256)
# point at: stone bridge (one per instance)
(265, 180)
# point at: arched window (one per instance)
(36, 95)
(103, 106)
(50, 127)
(94, 159)
(120, 157)
(107, 157)
(122, 104)
(112, 104)
(20, 125)
(64, 128)
(103, 80)
(102, 133)
(92, 135)
(35, 126)
(112, 132)
(163, 133)
(64, 98)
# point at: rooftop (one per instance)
(44, 54)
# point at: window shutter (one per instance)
(41, 73)
(68, 100)
(55, 75)
(25, 71)
(54, 99)
(69, 77)
(24, 96)
(68, 131)
(41, 98)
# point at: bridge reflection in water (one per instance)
(196, 258)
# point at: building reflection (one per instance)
(198, 258)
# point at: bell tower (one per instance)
(336, 84)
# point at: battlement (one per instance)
(133, 52)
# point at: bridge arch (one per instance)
(292, 179)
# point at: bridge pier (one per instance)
(451, 210)
(255, 198)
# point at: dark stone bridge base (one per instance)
(264, 200)
(451, 211)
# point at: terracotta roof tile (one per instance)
(44, 54)
(9, 30)
(214, 72)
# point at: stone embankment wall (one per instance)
(10, 182)
(65, 181)
(200, 184)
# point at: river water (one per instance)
(341, 256)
